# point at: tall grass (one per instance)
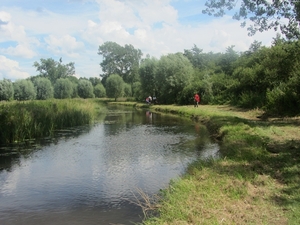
(31, 119)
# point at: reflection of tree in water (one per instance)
(11, 154)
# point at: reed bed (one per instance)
(32, 119)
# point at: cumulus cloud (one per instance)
(21, 50)
(65, 45)
(10, 69)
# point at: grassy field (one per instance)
(257, 181)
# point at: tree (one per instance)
(95, 81)
(6, 90)
(174, 72)
(99, 91)
(127, 90)
(123, 61)
(63, 88)
(195, 56)
(74, 80)
(226, 60)
(24, 90)
(85, 89)
(114, 86)
(53, 70)
(44, 88)
(147, 71)
(264, 14)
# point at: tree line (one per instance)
(261, 77)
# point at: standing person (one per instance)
(196, 100)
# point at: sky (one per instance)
(74, 29)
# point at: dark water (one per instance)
(93, 175)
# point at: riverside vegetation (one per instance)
(257, 180)
(20, 121)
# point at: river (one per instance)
(94, 174)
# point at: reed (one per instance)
(32, 119)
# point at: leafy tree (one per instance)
(53, 70)
(44, 88)
(174, 72)
(99, 91)
(137, 91)
(123, 61)
(127, 90)
(148, 79)
(24, 90)
(114, 86)
(95, 81)
(85, 89)
(264, 14)
(74, 80)
(196, 57)
(226, 60)
(63, 88)
(6, 90)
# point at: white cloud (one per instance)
(21, 50)
(65, 45)
(10, 69)
(8, 30)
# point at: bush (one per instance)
(114, 86)
(44, 88)
(6, 90)
(85, 89)
(99, 91)
(127, 90)
(24, 90)
(63, 88)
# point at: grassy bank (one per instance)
(257, 181)
(31, 119)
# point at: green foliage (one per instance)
(85, 89)
(120, 60)
(127, 90)
(44, 88)
(282, 100)
(95, 81)
(114, 86)
(268, 78)
(63, 88)
(32, 119)
(148, 73)
(137, 91)
(6, 90)
(53, 70)
(174, 72)
(74, 82)
(24, 90)
(99, 91)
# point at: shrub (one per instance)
(24, 90)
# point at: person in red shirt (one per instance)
(196, 100)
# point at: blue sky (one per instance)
(74, 29)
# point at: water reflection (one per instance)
(91, 177)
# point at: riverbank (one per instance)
(256, 181)
(20, 121)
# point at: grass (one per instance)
(257, 181)
(31, 119)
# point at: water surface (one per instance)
(92, 175)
